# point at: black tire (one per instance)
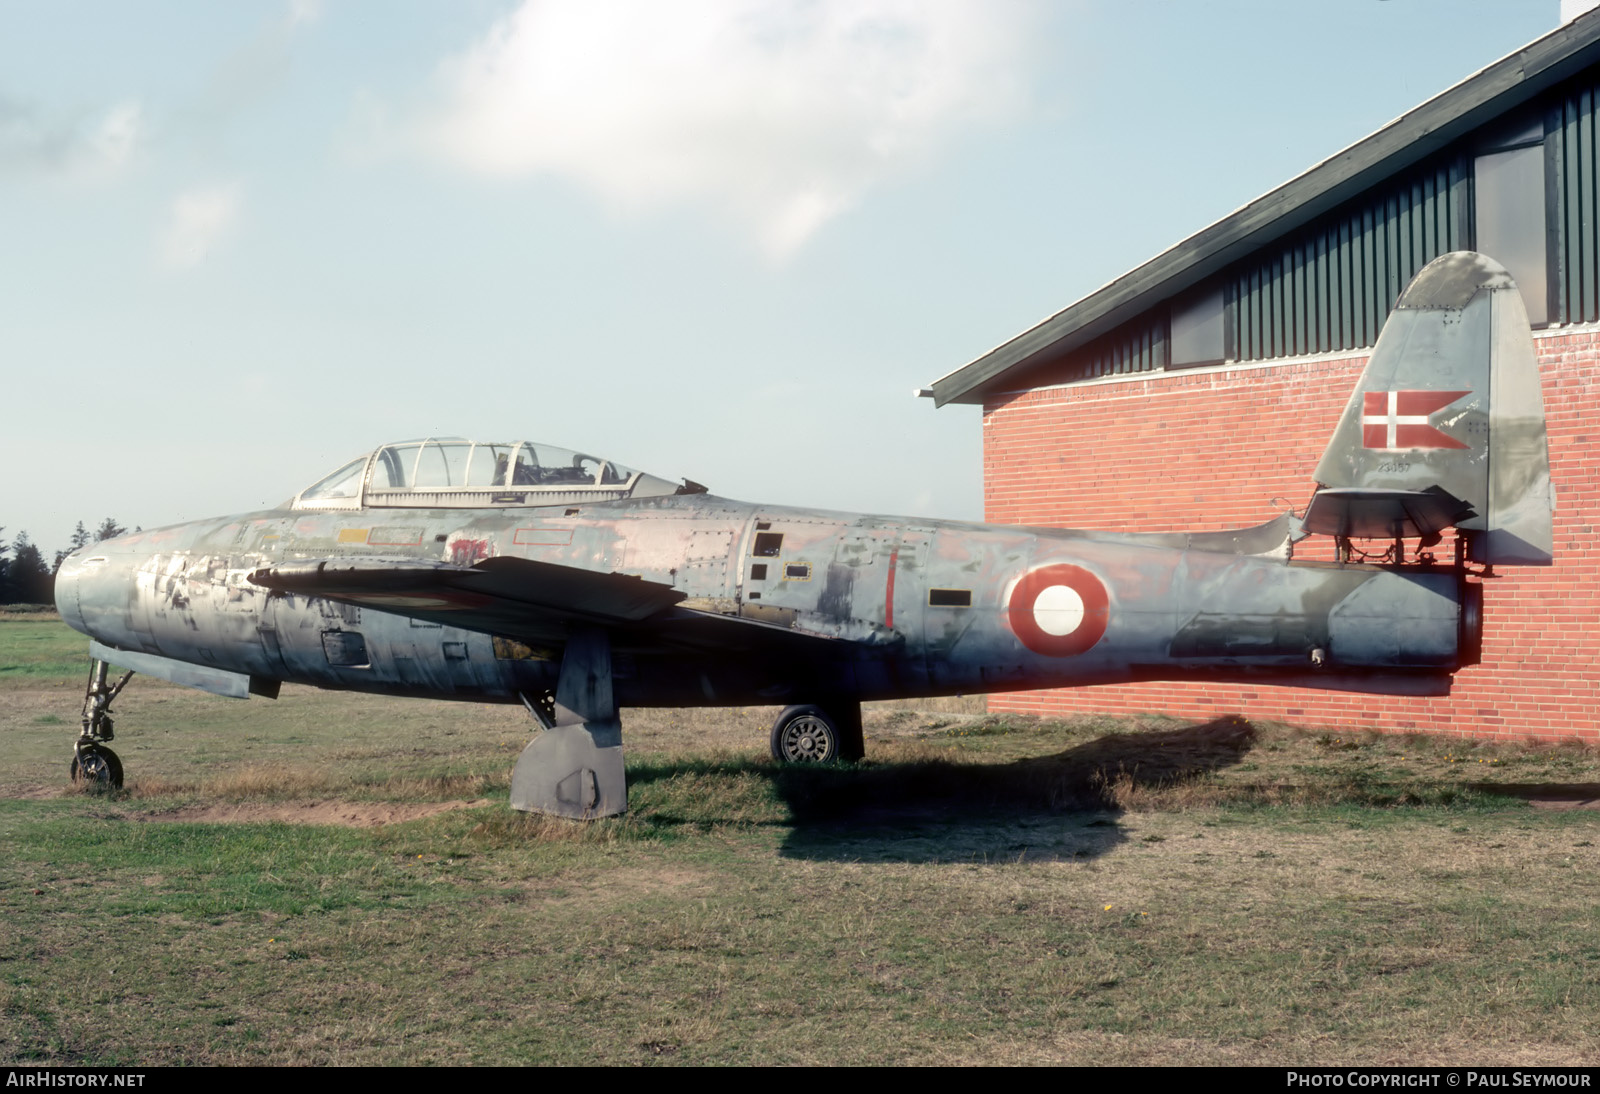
(805, 735)
(101, 769)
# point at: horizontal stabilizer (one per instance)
(1364, 513)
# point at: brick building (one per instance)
(1193, 389)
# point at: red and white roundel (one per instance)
(1059, 610)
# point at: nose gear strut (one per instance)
(92, 762)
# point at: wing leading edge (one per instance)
(524, 599)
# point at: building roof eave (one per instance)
(1415, 135)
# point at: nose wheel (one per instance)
(93, 764)
(96, 767)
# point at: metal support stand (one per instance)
(574, 768)
(852, 741)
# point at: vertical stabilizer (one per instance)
(1447, 423)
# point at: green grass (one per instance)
(40, 648)
(982, 890)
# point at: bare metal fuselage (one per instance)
(833, 604)
(523, 572)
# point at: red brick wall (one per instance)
(1200, 451)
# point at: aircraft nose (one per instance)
(78, 568)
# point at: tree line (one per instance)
(25, 576)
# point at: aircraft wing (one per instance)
(524, 599)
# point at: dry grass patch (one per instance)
(29, 613)
(346, 814)
(274, 782)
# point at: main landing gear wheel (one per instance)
(805, 735)
(97, 767)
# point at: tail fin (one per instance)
(1446, 426)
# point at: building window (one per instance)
(1197, 330)
(1510, 220)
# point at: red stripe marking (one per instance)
(1424, 402)
(888, 596)
(1424, 436)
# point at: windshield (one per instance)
(451, 471)
(447, 464)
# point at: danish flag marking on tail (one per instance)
(1398, 420)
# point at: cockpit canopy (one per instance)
(452, 473)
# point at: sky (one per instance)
(727, 240)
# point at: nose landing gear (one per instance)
(93, 764)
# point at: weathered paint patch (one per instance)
(543, 536)
(395, 536)
(509, 649)
(466, 550)
(352, 535)
(837, 601)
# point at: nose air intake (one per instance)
(68, 601)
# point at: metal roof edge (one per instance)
(1498, 86)
(1233, 367)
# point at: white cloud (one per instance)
(31, 141)
(200, 217)
(302, 12)
(119, 134)
(782, 113)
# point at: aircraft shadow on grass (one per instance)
(1057, 807)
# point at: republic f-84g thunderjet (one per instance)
(574, 585)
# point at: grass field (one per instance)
(337, 879)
